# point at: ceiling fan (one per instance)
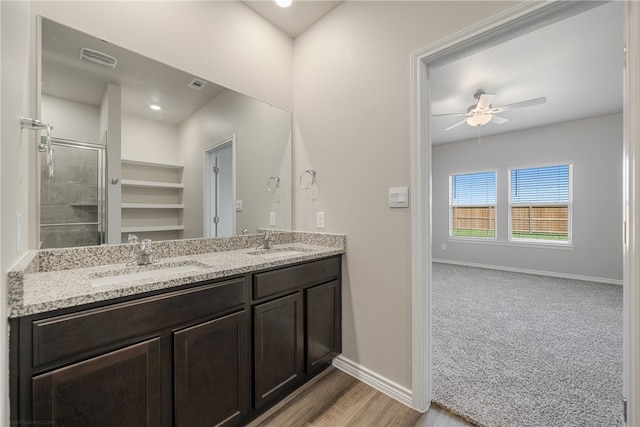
(483, 112)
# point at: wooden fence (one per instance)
(540, 219)
(527, 219)
(474, 218)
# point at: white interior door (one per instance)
(219, 201)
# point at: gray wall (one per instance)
(150, 140)
(352, 125)
(594, 146)
(263, 147)
(71, 120)
(15, 69)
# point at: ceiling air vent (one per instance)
(98, 58)
(197, 84)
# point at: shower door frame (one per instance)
(101, 202)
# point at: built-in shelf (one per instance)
(152, 194)
(152, 228)
(151, 164)
(152, 206)
(150, 184)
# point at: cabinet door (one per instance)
(323, 325)
(211, 372)
(121, 388)
(278, 346)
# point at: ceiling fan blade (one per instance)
(498, 120)
(485, 100)
(522, 104)
(455, 125)
(450, 115)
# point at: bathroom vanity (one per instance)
(213, 345)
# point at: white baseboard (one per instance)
(527, 271)
(380, 383)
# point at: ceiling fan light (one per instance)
(284, 3)
(479, 119)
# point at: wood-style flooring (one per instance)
(336, 399)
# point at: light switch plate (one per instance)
(398, 197)
(272, 218)
(238, 205)
(319, 219)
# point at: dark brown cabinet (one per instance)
(210, 372)
(297, 326)
(120, 388)
(116, 363)
(278, 346)
(323, 334)
(214, 353)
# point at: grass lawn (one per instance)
(541, 236)
(461, 232)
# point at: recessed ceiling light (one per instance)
(155, 107)
(284, 3)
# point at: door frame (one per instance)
(474, 38)
(206, 182)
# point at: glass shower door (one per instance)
(72, 198)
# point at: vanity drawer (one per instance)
(58, 337)
(296, 277)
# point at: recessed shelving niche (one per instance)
(152, 200)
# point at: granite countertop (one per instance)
(45, 280)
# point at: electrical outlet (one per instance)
(319, 219)
(272, 218)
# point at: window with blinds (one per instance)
(540, 203)
(472, 205)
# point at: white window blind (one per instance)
(540, 203)
(472, 205)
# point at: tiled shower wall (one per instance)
(69, 200)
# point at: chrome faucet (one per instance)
(144, 256)
(132, 238)
(146, 252)
(269, 238)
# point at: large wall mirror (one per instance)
(139, 147)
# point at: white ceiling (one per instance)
(576, 63)
(295, 19)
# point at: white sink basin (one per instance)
(279, 252)
(130, 274)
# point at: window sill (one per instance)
(528, 244)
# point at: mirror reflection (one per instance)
(143, 148)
